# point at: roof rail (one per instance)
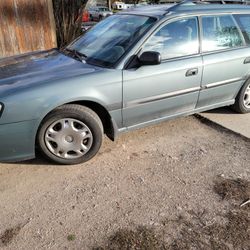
(193, 2)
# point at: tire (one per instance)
(242, 98)
(71, 134)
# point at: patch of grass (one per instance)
(232, 189)
(194, 231)
(236, 230)
(71, 237)
(9, 234)
(141, 238)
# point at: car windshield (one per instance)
(109, 40)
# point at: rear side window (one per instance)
(219, 33)
(244, 23)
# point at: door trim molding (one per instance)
(180, 92)
(161, 97)
(221, 83)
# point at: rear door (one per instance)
(226, 58)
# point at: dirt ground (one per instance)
(177, 185)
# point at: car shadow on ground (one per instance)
(223, 111)
(39, 160)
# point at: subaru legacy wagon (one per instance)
(131, 70)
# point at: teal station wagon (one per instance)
(133, 69)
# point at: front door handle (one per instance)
(247, 60)
(192, 72)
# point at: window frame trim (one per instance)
(135, 51)
(169, 21)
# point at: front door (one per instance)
(154, 92)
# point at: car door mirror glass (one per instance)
(150, 58)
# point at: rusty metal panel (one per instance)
(26, 25)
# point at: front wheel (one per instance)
(242, 102)
(71, 134)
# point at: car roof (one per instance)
(187, 7)
(149, 10)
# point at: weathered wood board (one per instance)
(26, 25)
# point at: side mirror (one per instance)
(150, 58)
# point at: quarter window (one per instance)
(244, 22)
(176, 39)
(220, 32)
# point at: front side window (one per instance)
(219, 33)
(109, 40)
(176, 39)
(244, 23)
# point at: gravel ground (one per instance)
(145, 179)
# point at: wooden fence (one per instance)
(26, 25)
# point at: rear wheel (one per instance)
(242, 102)
(71, 134)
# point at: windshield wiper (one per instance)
(78, 55)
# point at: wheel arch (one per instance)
(237, 106)
(109, 124)
(246, 79)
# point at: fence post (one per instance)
(52, 21)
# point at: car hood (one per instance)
(40, 67)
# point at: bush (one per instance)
(68, 19)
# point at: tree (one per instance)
(68, 15)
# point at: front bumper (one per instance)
(17, 141)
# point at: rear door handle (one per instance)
(192, 72)
(247, 60)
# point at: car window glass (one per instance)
(220, 32)
(244, 23)
(176, 39)
(109, 40)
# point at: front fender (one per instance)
(36, 102)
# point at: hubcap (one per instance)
(247, 97)
(68, 138)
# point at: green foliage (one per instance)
(71, 237)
